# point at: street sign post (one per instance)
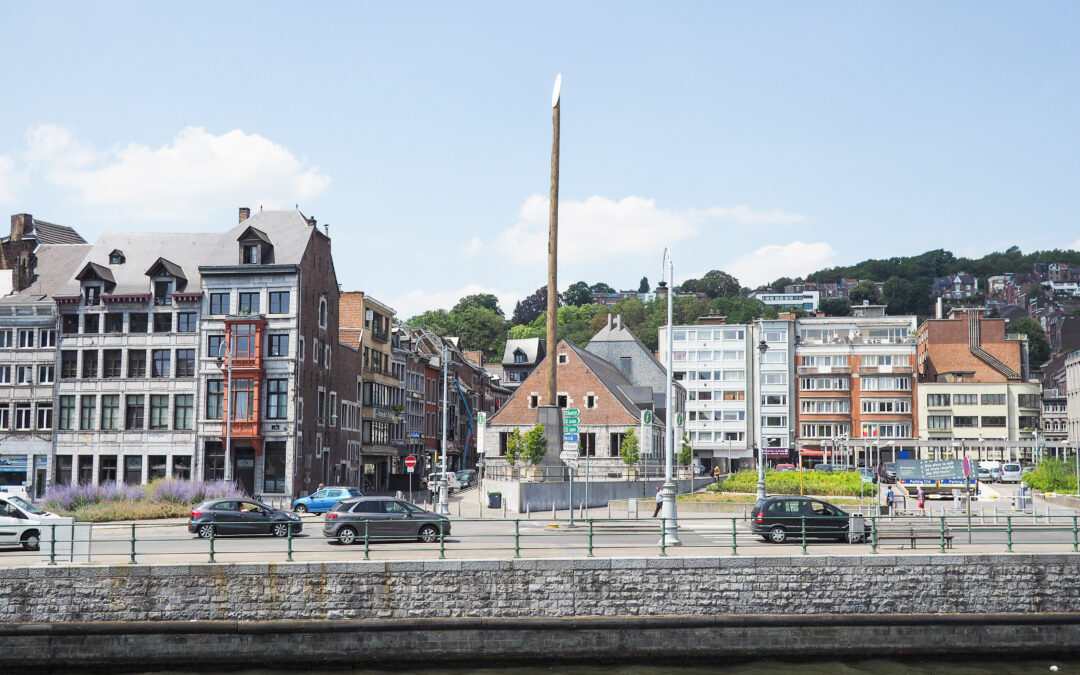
(410, 466)
(569, 458)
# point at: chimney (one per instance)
(21, 223)
(618, 324)
(937, 310)
(245, 213)
(609, 324)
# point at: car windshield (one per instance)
(1011, 467)
(26, 506)
(412, 508)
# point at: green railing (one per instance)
(150, 542)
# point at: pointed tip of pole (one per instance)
(557, 91)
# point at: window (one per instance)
(563, 358)
(333, 408)
(534, 400)
(184, 412)
(219, 303)
(69, 364)
(185, 363)
(47, 338)
(46, 374)
(300, 355)
(824, 383)
(249, 303)
(89, 363)
(938, 422)
(774, 421)
(965, 421)
(880, 405)
(185, 322)
(5, 374)
(730, 415)
(163, 322)
(90, 324)
(136, 363)
(133, 469)
(26, 339)
(774, 378)
(278, 345)
(69, 325)
(816, 406)
(241, 394)
(590, 400)
(1029, 401)
(138, 323)
(5, 336)
(135, 412)
(704, 395)
(615, 444)
(160, 363)
(24, 374)
(965, 399)
(321, 410)
(67, 413)
(44, 416)
(734, 375)
(279, 302)
(23, 417)
(182, 467)
(774, 399)
(587, 444)
(162, 293)
(250, 254)
(993, 399)
(937, 400)
(159, 411)
(734, 396)
(243, 341)
(322, 312)
(114, 323)
(113, 359)
(5, 417)
(110, 412)
(87, 408)
(886, 383)
(214, 399)
(561, 400)
(993, 421)
(277, 399)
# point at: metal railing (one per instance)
(538, 536)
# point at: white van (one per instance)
(20, 523)
(452, 481)
(1011, 473)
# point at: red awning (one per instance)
(812, 453)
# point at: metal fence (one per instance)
(148, 542)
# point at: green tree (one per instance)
(835, 306)
(865, 290)
(686, 453)
(1038, 345)
(779, 284)
(514, 447)
(480, 328)
(715, 284)
(485, 300)
(629, 451)
(438, 321)
(534, 445)
(643, 287)
(531, 307)
(578, 294)
(601, 287)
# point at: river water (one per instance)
(867, 667)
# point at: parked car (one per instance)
(324, 499)
(994, 468)
(467, 477)
(241, 516)
(20, 523)
(983, 475)
(452, 481)
(826, 468)
(1011, 473)
(383, 518)
(779, 518)
(785, 467)
(890, 472)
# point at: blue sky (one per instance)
(765, 139)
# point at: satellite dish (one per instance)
(555, 92)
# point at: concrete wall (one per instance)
(540, 496)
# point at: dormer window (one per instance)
(255, 247)
(116, 257)
(519, 356)
(250, 254)
(93, 294)
(163, 292)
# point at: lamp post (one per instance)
(762, 348)
(225, 352)
(667, 493)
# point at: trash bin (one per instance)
(856, 529)
(494, 500)
(884, 510)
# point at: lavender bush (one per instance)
(172, 490)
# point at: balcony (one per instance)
(824, 370)
(886, 370)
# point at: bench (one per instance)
(914, 533)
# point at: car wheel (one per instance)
(300, 508)
(347, 536)
(205, 531)
(778, 535)
(280, 530)
(852, 538)
(31, 540)
(429, 534)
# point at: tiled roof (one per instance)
(51, 233)
(56, 263)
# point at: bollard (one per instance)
(459, 509)
(213, 532)
(590, 538)
(52, 545)
(873, 535)
(553, 516)
(942, 530)
(734, 536)
(1034, 514)
(442, 540)
(995, 514)
(132, 561)
(528, 511)
(504, 509)
(517, 538)
(609, 510)
(367, 540)
(1008, 532)
(289, 556)
(663, 539)
(1075, 542)
(803, 519)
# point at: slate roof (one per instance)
(616, 331)
(51, 233)
(530, 346)
(611, 378)
(56, 264)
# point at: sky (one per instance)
(765, 139)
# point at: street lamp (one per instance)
(762, 348)
(225, 352)
(667, 493)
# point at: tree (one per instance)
(865, 290)
(628, 451)
(480, 328)
(438, 321)
(534, 445)
(779, 284)
(715, 284)
(531, 307)
(485, 300)
(1038, 345)
(601, 287)
(835, 306)
(578, 294)
(686, 452)
(643, 287)
(514, 447)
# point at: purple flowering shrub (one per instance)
(171, 490)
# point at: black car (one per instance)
(383, 518)
(241, 516)
(780, 518)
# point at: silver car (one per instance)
(383, 518)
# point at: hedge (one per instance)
(840, 483)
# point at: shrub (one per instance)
(843, 483)
(166, 498)
(629, 450)
(1053, 475)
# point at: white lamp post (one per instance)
(667, 493)
(762, 348)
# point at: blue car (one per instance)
(324, 499)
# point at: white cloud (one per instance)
(8, 180)
(196, 174)
(418, 301)
(632, 226)
(773, 261)
(473, 247)
(1075, 246)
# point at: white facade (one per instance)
(1072, 397)
(1006, 411)
(807, 300)
(775, 379)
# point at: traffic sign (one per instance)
(570, 438)
(410, 461)
(569, 458)
(967, 467)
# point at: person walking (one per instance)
(659, 501)
(921, 496)
(716, 473)
(890, 499)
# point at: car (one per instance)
(352, 520)
(241, 516)
(1011, 473)
(826, 468)
(785, 467)
(995, 470)
(323, 499)
(890, 472)
(21, 522)
(467, 477)
(983, 475)
(432, 480)
(778, 518)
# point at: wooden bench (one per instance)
(913, 534)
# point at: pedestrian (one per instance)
(716, 473)
(659, 501)
(321, 486)
(890, 499)
(921, 496)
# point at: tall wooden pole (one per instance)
(553, 250)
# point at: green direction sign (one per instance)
(570, 425)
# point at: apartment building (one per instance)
(807, 299)
(1072, 398)
(1055, 428)
(772, 360)
(856, 386)
(974, 386)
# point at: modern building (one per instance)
(772, 360)
(807, 300)
(1072, 398)
(1055, 426)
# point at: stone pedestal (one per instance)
(551, 417)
